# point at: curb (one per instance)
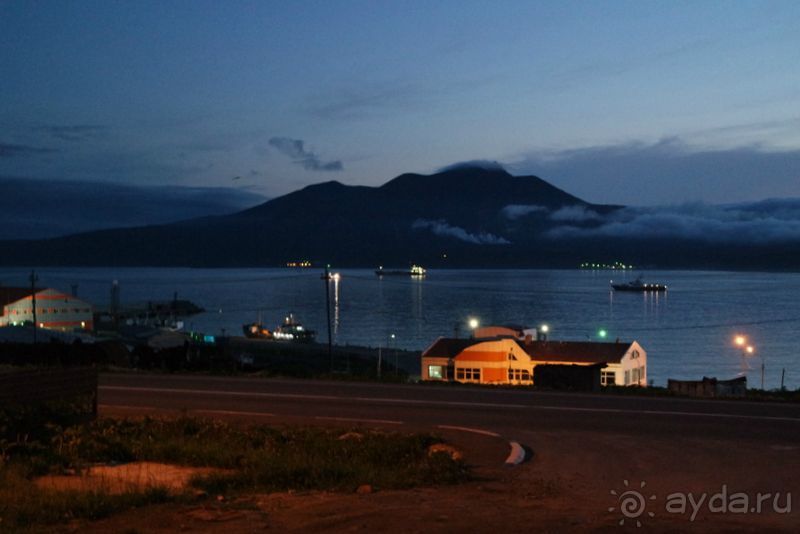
(517, 454)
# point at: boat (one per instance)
(638, 285)
(414, 270)
(256, 330)
(293, 330)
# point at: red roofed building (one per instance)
(508, 360)
(54, 310)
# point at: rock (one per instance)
(451, 451)
(351, 435)
(364, 489)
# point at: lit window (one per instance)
(435, 372)
(608, 378)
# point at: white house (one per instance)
(54, 310)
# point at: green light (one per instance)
(602, 333)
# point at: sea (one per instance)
(688, 331)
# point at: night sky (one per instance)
(638, 103)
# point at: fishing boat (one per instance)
(256, 330)
(293, 330)
(414, 270)
(638, 286)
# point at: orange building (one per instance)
(509, 360)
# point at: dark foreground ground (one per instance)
(714, 457)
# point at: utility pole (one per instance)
(783, 375)
(33, 279)
(326, 279)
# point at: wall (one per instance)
(54, 310)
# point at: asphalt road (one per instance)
(511, 413)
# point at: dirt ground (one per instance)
(566, 486)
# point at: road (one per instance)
(504, 411)
(584, 446)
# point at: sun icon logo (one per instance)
(632, 503)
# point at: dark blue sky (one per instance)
(626, 102)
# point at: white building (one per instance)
(509, 360)
(54, 310)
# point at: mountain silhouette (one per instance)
(460, 217)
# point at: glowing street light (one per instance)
(602, 333)
(541, 332)
(473, 323)
(740, 340)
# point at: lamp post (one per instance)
(541, 332)
(748, 350)
(473, 323)
(391, 342)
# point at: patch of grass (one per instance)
(23, 504)
(254, 458)
(318, 459)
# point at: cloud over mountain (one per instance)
(771, 221)
(442, 229)
(295, 149)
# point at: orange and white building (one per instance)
(510, 360)
(54, 310)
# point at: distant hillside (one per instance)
(35, 209)
(463, 217)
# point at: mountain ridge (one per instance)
(463, 217)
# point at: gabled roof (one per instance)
(446, 347)
(576, 351)
(539, 351)
(13, 294)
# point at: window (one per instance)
(627, 377)
(519, 375)
(608, 378)
(468, 374)
(435, 372)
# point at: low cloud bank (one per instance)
(442, 229)
(575, 213)
(770, 221)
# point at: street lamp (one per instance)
(541, 334)
(391, 341)
(748, 350)
(473, 323)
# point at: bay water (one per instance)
(687, 331)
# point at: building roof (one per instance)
(576, 351)
(447, 347)
(13, 294)
(539, 351)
